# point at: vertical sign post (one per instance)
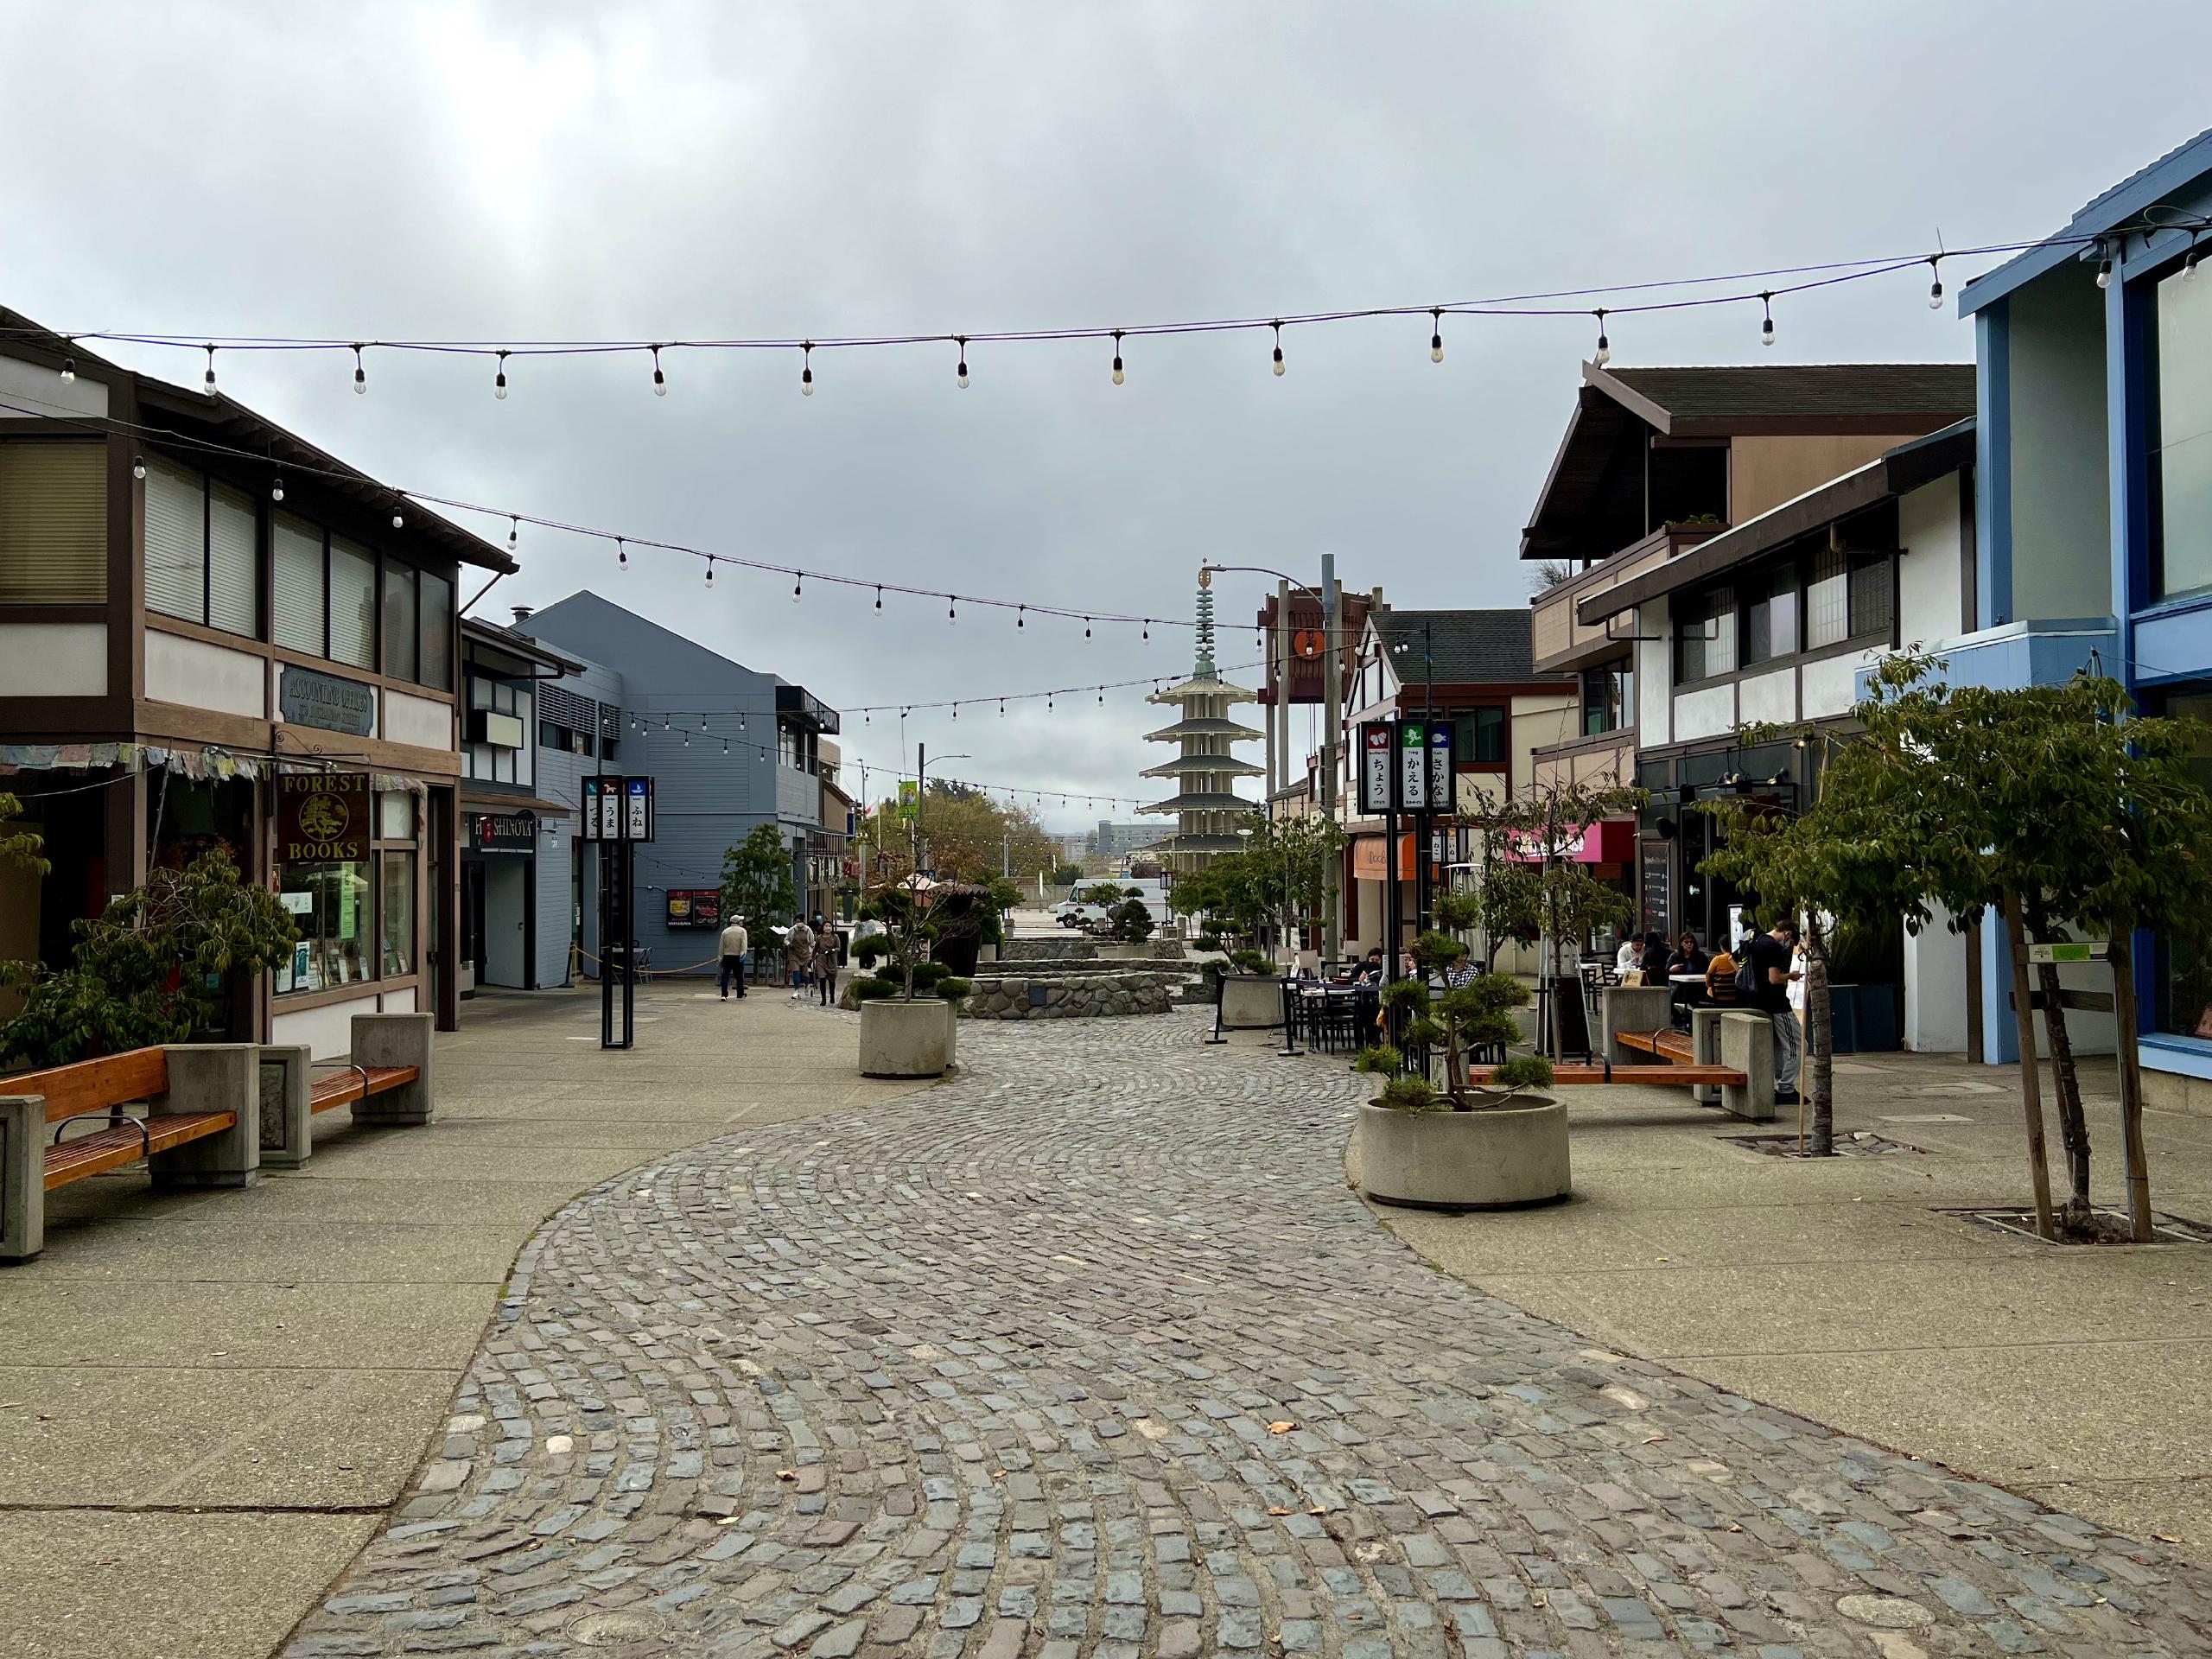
(1443, 798)
(618, 814)
(1410, 797)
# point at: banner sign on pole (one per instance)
(1413, 766)
(1374, 766)
(1443, 769)
(910, 799)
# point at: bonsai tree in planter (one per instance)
(1132, 922)
(901, 946)
(1464, 1017)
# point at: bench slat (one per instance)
(342, 1088)
(106, 1149)
(88, 1085)
(1670, 1045)
(1565, 1074)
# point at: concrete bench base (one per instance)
(1747, 1046)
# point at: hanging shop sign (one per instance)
(306, 698)
(504, 832)
(1374, 767)
(322, 817)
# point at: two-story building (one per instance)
(213, 634)
(730, 747)
(2094, 518)
(1657, 467)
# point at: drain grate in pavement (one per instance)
(2111, 1226)
(1856, 1143)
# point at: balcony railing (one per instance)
(1559, 641)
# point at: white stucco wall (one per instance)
(1768, 697)
(425, 723)
(200, 675)
(1931, 606)
(1935, 989)
(1654, 675)
(53, 659)
(1705, 714)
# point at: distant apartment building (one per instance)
(1112, 841)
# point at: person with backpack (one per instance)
(1762, 983)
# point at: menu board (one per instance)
(1658, 893)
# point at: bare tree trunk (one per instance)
(2122, 953)
(2065, 1081)
(2024, 1021)
(1818, 1084)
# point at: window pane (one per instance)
(1770, 624)
(399, 623)
(398, 913)
(1873, 607)
(352, 604)
(296, 607)
(436, 605)
(53, 523)
(329, 902)
(2184, 959)
(395, 816)
(1828, 610)
(176, 541)
(2182, 461)
(1490, 734)
(233, 563)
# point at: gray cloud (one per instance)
(568, 170)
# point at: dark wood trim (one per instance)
(373, 752)
(184, 627)
(1904, 428)
(65, 720)
(53, 613)
(293, 1001)
(180, 723)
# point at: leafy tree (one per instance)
(1462, 1018)
(1132, 921)
(757, 879)
(154, 967)
(1065, 875)
(969, 837)
(906, 932)
(19, 847)
(1109, 893)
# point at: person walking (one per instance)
(1772, 968)
(825, 960)
(735, 943)
(799, 951)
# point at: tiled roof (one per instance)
(1468, 647)
(1765, 390)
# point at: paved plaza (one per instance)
(1089, 1351)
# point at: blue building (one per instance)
(2093, 506)
(729, 748)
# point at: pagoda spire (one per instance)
(1204, 669)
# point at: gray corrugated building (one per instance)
(730, 747)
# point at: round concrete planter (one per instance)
(905, 1039)
(1250, 1002)
(1496, 1158)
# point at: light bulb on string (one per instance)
(1101, 694)
(725, 745)
(2189, 264)
(398, 516)
(514, 530)
(621, 556)
(878, 600)
(1001, 708)
(956, 711)
(1277, 327)
(1605, 352)
(660, 380)
(208, 382)
(2104, 271)
(1019, 611)
(962, 371)
(702, 722)
(1086, 628)
(1766, 322)
(710, 571)
(276, 488)
(1436, 333)
(950, 615)
(69, 367)
(138, 467)
(360, 374)
(796, 581)
(687, 740)
(1118, 376)
(1935, 288)
(500, 380)
(806, 369)
(740, 723)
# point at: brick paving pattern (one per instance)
(1090, 1352)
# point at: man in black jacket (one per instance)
(1772, 969)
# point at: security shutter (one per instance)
(437, 631)
(352, 604)
(53, 523)
(295, 599)
(176, 541)
(399, 624)
(233, 563)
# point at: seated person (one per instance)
(1369, 971)
(1688, 958)
(1654, 961)
(1630, 956)
(1720, 978)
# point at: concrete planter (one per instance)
(1498, 1158)
(905, 1039)
(1251, 1002)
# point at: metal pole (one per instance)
(1426, 831)
(1332, 717)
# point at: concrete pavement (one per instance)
(208, 1402)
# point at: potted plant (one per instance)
(1492, 1145)
(1250, 995)
(901, 1035)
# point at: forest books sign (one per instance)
(322, 817)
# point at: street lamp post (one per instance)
(921, 793)
(1332, 703)
(1425, 825)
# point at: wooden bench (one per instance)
(386, 1081)
(1607, 1071)
(1725, 1059)
(200, 1127)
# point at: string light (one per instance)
(710, 573)
(806, 369)
(69, 370)
(1118, 376)
(795, 586)
(962, 371)
(1086, 628)
(398, 517)
(138, 467)
(360, 374)
(950, 616)
(878, 601)
(2189, 264)
(1935, 288)
(621, 556)
(1766, 325)
(1277, 327)
(660, 380)
(514, 530)
(1605, 354)
(1436, 333)
(276, 488)
(207, 384)
(500, 380)
(2104, 269)
(1018, 611)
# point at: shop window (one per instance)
(395, 816)
(1479, 735)
(1608, 699)
(402, 643)
(2182, 964)
(435, 658)
(203, 542)
(52, 523)
(2181, 453)
(298, 586)
(1704, 638)
(233, 562)
(330, 902)
(1827, 599)
(397, 911)
(352, 604)
(1771, 615)
(1873, 597)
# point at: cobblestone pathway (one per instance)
(1091, 1352)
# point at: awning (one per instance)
(1612, 841)
(476, 801)
(1369, 862)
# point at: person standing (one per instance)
(1772, 968)
(799, 951)
(735, 943)
(825, 960)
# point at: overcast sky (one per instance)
(571, 170)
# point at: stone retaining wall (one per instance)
(1075, 948)
(1091, 993)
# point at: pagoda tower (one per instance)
(1205, 803)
